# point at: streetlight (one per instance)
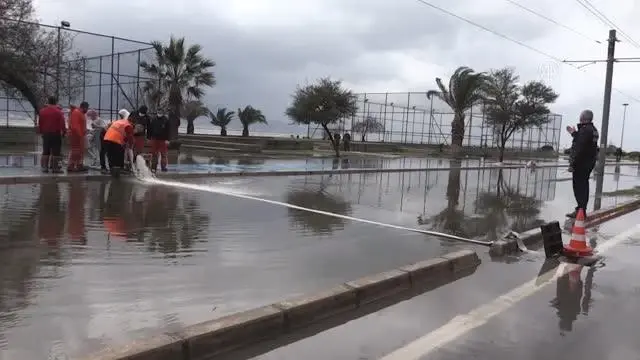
(63, 24)
(624, 117)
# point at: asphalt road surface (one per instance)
(522, 308)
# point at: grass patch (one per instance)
(624, 192)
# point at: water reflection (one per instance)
(76, 213)
(219, 161)
(317, 199)
(156, 216)
(250, 161)
(573, 297)
(470, 203)
(51, 222)
(451, 220)
(507, 208)
(497, 210)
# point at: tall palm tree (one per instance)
(222, 118)
(191, 111)
(250, 116)
(179, 74)
(466, 88)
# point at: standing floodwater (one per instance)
(89, 264)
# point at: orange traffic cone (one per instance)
(578, 245)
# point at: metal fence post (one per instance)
(430, 121)
(100, 86)
(384, 134)
(118, 87)
(113, 56)
(84, 79)
(138, 80)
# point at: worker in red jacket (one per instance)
(77, 138)
(52, 128)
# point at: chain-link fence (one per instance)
(412, 118)
(81, 66)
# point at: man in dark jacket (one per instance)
(141, 122)
(158, 133)
(584, 154)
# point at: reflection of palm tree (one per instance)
(320, 200)
(451, 220)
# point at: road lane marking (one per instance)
(462, 324)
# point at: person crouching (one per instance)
(119, 135)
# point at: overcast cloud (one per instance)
(264, 48)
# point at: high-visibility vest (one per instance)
(117, 131)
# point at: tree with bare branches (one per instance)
(30, 54)
(367, 126)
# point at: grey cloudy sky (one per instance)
(264, 48)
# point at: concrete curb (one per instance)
(216, 337)
(534, 236)
(47, 178)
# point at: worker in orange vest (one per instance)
(77, 137)
(118, 137)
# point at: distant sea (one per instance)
(281, 130)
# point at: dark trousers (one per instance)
(115, 154)
(51, 150)
(581, 186)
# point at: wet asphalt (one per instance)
(89, 264)
(593, 317)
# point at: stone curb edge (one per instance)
(534, 236)
(45, 178)
(239, 330)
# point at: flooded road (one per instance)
(88, 264)
(585, 315)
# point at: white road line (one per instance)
(462, 324)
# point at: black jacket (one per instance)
(143, 120)
(159, 128)
(584, 148)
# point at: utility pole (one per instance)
(606, 107)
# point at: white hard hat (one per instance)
(124, 113)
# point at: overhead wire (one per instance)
(494, 32)
(605, 20)
(555, 22)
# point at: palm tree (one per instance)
(250, 116)
(191, 111)
(179, 74)
(466, 89)
(222, 118)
